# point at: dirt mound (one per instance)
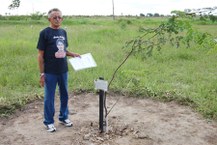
(131, 122)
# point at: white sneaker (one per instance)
(51, 128)
(67, 123)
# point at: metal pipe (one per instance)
(102, 122)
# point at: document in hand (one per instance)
(83, 62)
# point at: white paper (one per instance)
(101, 85)
(83, 62)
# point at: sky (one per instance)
(104, 7)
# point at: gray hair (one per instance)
(53, 10)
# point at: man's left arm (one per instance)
(72, 54)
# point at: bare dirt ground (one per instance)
(131, 122)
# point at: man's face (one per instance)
(55, 19)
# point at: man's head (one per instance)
(55, 18)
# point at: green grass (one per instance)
(187, 76)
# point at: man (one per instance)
(52, 45)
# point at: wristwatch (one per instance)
(41, 74)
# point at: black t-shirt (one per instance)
(54, 43)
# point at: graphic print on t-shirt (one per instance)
(61, 52)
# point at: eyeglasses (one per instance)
(58, 17)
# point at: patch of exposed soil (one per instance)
(132, 121)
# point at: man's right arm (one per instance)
(41, 66)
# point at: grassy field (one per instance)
(187, 76)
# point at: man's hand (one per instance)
(76, 55)
(41, 81)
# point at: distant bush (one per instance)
(37, 16)
(213, 18)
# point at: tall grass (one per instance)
(187, 76)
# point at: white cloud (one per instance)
(104, 7)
